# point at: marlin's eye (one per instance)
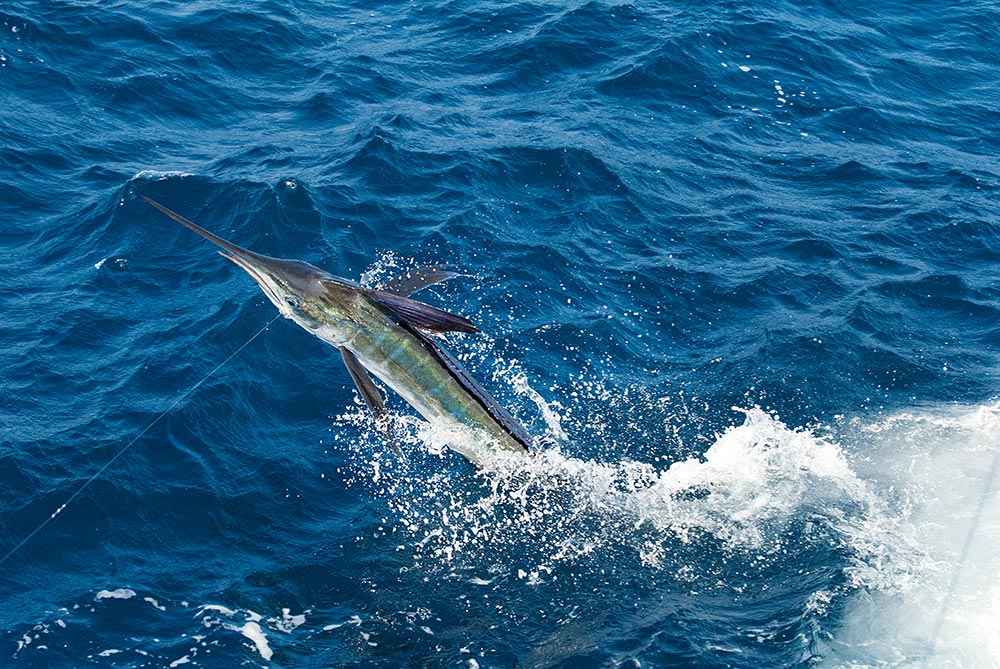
(292, 302)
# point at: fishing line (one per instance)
(129, 445)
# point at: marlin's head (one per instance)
(292, 285)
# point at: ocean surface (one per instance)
(737, 268)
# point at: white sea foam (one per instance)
(154, 603)
(120, 593)
(252, 631)
(214, 618)
(942, 466)
(157, 175)
(252, 625)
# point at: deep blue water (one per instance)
(736, 265)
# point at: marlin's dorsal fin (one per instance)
(422, 316)
(372, 397)
(416, 279)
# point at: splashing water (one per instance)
(909, 502)
(753, 492)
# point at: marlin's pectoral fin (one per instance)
(423, 316)
(372, 397)
(417, 279)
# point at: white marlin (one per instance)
(384, 332)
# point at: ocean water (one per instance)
(737, 267)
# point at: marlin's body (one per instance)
(385, 333)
